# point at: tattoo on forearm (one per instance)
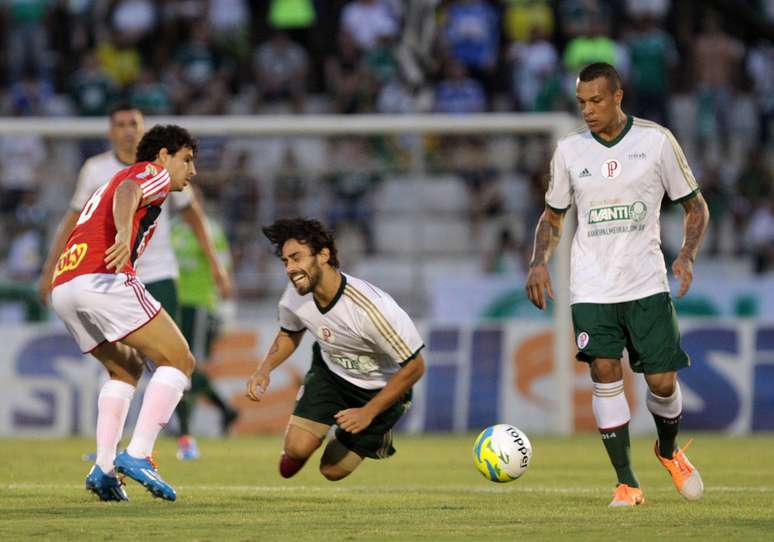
(547, 237)
(696, 218)
(274, 347)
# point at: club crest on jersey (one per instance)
(583, 340)
(326, 334)
(611, 168)
(71, 258)
(151, 170)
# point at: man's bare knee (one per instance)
(334, 473)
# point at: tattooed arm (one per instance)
(695, 223)
(547, 235)
(285, 343)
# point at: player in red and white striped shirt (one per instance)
(111, 315)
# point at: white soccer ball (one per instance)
(502, 453)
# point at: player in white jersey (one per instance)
(157, 269)
(365, 361)
(616, 171)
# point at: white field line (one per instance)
(402, 489)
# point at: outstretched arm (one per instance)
(195, 218)
(695, 224)
(285, 343)
(547, 235)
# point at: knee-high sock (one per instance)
(611, 411)
(666, 413)
(161, 397)
(112, 407)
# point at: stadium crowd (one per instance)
(703, 69)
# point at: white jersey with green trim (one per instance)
(158, 260)
(363, 333)
(618, 187)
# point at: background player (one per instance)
(365, 361)
(158, 268)
(617, 171)
(111, 315)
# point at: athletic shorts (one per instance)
(103, 307)
(324, 394)
(646, 327)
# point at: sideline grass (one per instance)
(428, 491)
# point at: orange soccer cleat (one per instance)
(685, 476)
(627, 496)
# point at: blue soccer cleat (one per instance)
(187, 450)
(144, 471)
(107, 488)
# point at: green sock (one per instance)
(183, 412)
(616, 443)
(200, 383)
(667, 429)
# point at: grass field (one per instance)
(428, 491)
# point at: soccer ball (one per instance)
(502, 453)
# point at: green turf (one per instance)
(428, 491)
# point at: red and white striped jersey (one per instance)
(95, 230)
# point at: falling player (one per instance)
(111, 315)
(364, 362)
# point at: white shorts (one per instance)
(103, 307)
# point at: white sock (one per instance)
(666, 407)
(112, 407)
(161, 397)
(609, 405)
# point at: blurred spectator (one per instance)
(594, 45)
(472, 34)
(523, 18)
(719, 203)
(415, 50)
(458, 93)
(366, 21)
(654, 9)
(22, 157)
(760, 236)
(576, 17)
(290, 188)
(380, 61)
(229, 24)
(119, 58)
(347, 81)
(754, 184)
(27, 239)
(509, 256)
(135, 19)
(150, 95)
(653, 55)
(535, 79)
(31, 96)
(717, 60)
(90, 89)
(26, 37)
(280, 68)
(352, 181)
(760, 68)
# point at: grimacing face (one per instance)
(597, 102)
(180, 165)
(302, 267)
(126, 130)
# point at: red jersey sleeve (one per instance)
(154, 182)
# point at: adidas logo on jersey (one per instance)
(584, 173)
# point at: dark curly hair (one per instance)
(171, 137)
(306, 231)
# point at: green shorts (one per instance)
(200, 327)
(324, 394)
(646, 327)
(165, 292)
